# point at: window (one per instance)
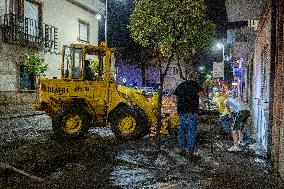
(22, 22)
(264, 63)
(72, 63)
(13, 6)
(26, 80)
(83, 31)
(31, 14)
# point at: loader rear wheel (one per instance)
(70, 122)
(129, 123)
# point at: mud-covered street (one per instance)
(32, 158)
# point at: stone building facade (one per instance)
(277, 130)
(41, 26)
(261, 79)
(268, 83)
(265, 81)
(133, 73)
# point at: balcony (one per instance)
(29, 33)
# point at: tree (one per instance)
(172, 29)
(94, 64)
(34, 65)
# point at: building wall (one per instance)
(96, 5)
(239, 53)
(241, 43)
(260, 104)
(173, 78)
(133, 73)
(243, 10)
(65, 17)
(67, 22)
(10, 59)
(278, 106)
(2, 7)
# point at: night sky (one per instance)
(120, 10)
(118, 35)
(216, 11)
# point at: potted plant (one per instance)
(34, 65)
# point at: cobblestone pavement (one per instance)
(99, 161)
(14, 111)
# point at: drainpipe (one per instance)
(270, 150)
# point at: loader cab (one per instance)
(72, 63)
(86, 62)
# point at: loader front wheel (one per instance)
(129, 123)
(70, 122)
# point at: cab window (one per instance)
(72, 63)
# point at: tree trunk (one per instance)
(159, 111)
(160, 98)
(143, 69)
(179, 69)
(36, 87)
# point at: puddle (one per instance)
(259, 160)
(102, 131)
(132, 156)
(132, 177)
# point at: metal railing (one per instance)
(17, 29)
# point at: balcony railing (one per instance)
(28, 32)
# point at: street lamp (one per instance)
(221, 45)
(99, 16)
(201, 69)
(106, 24)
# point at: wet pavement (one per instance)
(100, 161)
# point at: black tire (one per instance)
(137, 121)
(63, 119)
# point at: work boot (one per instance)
(234, 149)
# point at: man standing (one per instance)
(187, 94)
(241, 114)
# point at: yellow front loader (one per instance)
(83, 97)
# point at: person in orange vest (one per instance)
(225, 119)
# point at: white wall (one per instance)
(2, 7)
(9, 59)
(93, 4)
(261, 106)
(65, 16)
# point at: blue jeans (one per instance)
(226, 122)
(187, 131)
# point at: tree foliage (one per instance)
(34, 64)
(94, 65)
(179, 27)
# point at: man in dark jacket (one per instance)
(88, 71)
(187, 94)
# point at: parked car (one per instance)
(148, 90)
